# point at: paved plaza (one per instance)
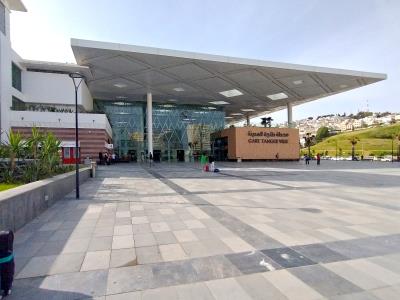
(256, 230)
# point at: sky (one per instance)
(362, 35)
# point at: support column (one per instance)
(149, 117)
(289, 115)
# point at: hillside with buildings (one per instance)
(345, 123)
(376, 141)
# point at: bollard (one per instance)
(239, 159)
(93, 169)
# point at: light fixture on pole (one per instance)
(77, 79)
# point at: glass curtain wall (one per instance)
(180, 132)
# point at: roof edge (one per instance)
(219, 58)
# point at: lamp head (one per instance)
(76, 75)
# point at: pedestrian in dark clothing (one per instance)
(150, 159)
(100, 158)
(318, 159)
(307, 159)
(7, 265)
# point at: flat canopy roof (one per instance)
(241, 86)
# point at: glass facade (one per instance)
(180, 132)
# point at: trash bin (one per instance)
(93, 169)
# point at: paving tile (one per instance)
(291, 286)
(144, 239)
(252, 262)
(194, 291)
(185, 236)
(386, 293)
(159, 227)
(123, 241)
(319, 253)
(216, 246)
(214, 267)
(123, 214)
(259, 288)
(287, 257)
(76, 246)
(359, 278)
(126, 296)
(96, 260)
(174, 273)
(139, 220)
(177, 225)
(376, 271)
(236, 244)
(130, 279)
(141, 228)
(123, 258)
(227, 289)
(324, 281)
(123, 230)
(164, 238)
(78, 285)
(100, 243)
(167, 293)
(54, 264)
(103, 231)
(172, 252)
(191, 224)
(148, 255)
(203, 233)
(194, 249)
(355, 296)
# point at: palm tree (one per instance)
(49, 152)
(266, 121)
(15, 147)
(354, 140)
(34, 142)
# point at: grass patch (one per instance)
(7, 186)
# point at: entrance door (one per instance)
(132, 155)
(157, 155)
(180, 155)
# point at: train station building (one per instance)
(175, 104)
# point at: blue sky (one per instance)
(351, 34)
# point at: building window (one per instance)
(18, 104)
(67, 152)
(16, 77)
(2, 18)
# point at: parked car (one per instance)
(386, 159)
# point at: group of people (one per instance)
(307, 159)
(107, 158)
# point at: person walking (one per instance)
(318, 159)
(307, 159)
(150, 159)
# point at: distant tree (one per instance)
(309, 140)
(354, 140)
(322, 133)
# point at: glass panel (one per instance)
(18, 104)
(16, 77)
(2, 18)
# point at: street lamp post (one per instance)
(77, 79)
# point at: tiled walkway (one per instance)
(253, 231)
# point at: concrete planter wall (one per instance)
(20, 205)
